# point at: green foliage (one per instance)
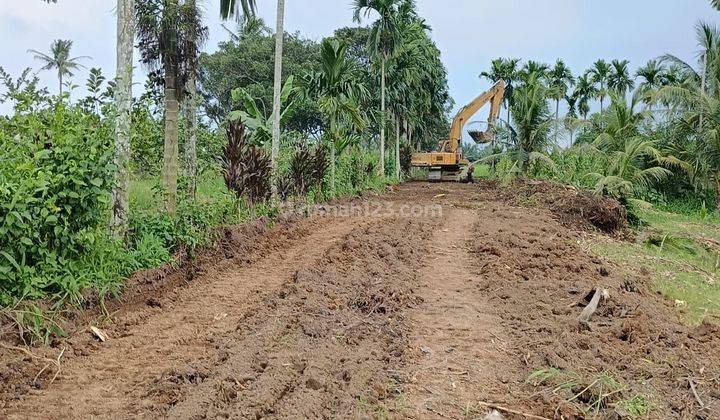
(252, 52)
(54, 186)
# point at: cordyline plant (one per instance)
(308, 167)
(246, 168)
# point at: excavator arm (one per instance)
(495, 96)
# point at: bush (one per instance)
(54, 188)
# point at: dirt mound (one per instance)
(574, 208)
(635, 353)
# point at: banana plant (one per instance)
(253, 116)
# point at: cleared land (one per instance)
(382, 308)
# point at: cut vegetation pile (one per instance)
(573, 208)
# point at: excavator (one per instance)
(447, 162)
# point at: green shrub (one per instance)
(54, 188)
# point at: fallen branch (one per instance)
(511, 411)
(590, 309)
(694, 391)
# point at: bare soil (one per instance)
(383, 308)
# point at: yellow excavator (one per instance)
(448, 161)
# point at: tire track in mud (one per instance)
(177, 340)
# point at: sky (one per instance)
(469, 33)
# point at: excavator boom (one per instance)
(446, 163)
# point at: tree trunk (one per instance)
(123, 100)
(170, 152)
(702, 86)
(279, 37)
(191, 140)
(397, 147)
(557, 119)
(191, 123)
(717, 192)
(333, 152)
(60, 82)
(382, 116)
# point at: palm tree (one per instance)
(571, 120)
(561, 79)
(230, 8)
(652, 76)
(628, 172)
(59, 59)
(168, 39)
(534, 69)
(531, 122)
(504, 69)
(196, 37)
(619, 79)
(277, 92)
(119, 222)
(337, 88)
(383, 42)
(585, 91)
(599, 75)
(699, 122)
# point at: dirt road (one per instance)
(378, 307)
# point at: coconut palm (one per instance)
(560, 78)
(628, 172)
(534, 69)
(698, 124)
(337, 88)
(528, 136)
(119, 219)
(60, 60)
(277, 92)
(652, 76)
(600, 75)
(620, 80)
(383, 42)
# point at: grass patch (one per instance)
(682, 252)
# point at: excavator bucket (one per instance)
(482, 137)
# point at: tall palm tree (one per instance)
(337, 88)
(561, 79)
(504, 69)
(599, 75)
(383, 42)
(619, 79)
(585, 91)
(196, 36)
(277, 92)
(534, 69)
(60, 60)
(119, 222)
(651, 77)
(167, 33)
